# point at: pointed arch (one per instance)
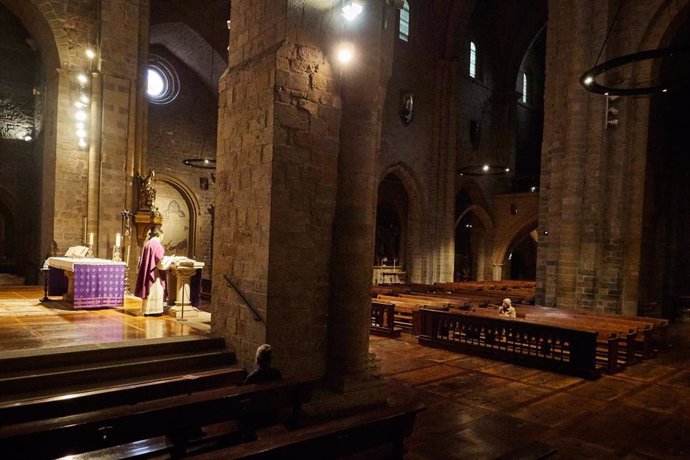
(519, 232)
(416, 203)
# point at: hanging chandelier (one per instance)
(589, 78)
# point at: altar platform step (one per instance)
(147, 367)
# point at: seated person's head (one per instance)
(264, 354)
(507, 303)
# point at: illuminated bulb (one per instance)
(507, 169)
(206, 161)
(588, 80)
(346, 53)
(82, 143)
(485, 168)
(79, 105)
(665, 90)
(28, 138)
(80, 115)
(82, 78)
(84, 98)
(81, 134)
(352, 10)
(533, 189)
(80, 125)
(90, 53)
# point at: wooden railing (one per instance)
(548, 347)
(382, 319)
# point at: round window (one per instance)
(156, 83)
(162, 82)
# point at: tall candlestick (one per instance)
(117, 240)
(91, 239)
(84, 224)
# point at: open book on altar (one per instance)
(77, 252)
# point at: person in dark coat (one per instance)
(264, 372)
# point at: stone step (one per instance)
(39, 360)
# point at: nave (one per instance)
(476, 408)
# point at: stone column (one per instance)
(364, 82)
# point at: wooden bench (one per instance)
(406, 311)
(126, 393)
(638, 332)
(175, 417)
(378, 433)
(383, 319)
(569, 350)
(608, 340)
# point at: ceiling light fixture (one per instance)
(588, 78)
(352, 9)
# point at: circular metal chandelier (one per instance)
(202, 163)
(483, 170)
(589, 82)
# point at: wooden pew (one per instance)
(568, 350)
(116, 395)
(407, 310)
(383, 319)
(658, 336)
(376, 433)
(640, 340)
(608, 339)
(174, 417)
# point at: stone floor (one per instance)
(483, 409)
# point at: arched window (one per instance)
(473, 60)
(404, 26)
(524, 86)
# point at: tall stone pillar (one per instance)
(364, 82)
(277, 166)
(298, 139)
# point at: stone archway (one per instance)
(414, 244)
(502, 253)
(474, 233)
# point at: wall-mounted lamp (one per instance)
(346, 51)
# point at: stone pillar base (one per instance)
(338, 396)
(327, 402)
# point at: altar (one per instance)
(385, 274)
(87, 282)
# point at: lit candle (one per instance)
(91, 239)
(117, 240)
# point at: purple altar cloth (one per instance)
(97, 286)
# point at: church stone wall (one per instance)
(592, 178)
(244, 157)
(186, 128)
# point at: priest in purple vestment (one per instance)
(150, 284)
